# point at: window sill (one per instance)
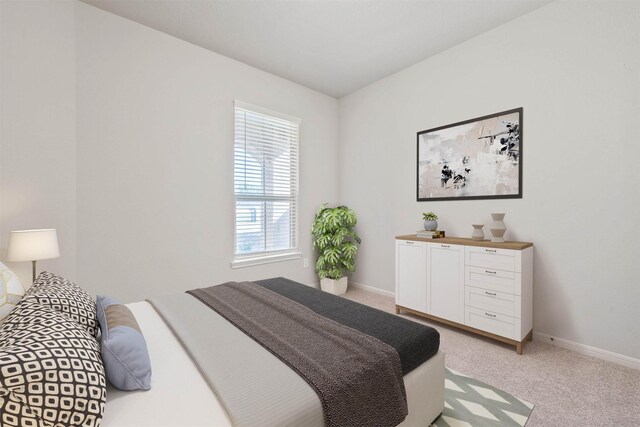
(258, 260)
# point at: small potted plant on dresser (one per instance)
(336, 243)
(430, 221)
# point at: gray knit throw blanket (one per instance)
(357, 377)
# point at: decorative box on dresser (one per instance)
(479, 286)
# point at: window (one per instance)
(265, 185)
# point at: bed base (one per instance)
(425, 392)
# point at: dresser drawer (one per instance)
(488, 321)
(492, 258)
(493, 301)
(495, 280)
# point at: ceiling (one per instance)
(334, 47)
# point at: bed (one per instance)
(180, 394)
(271, 353)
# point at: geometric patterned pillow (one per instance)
(66, 297)
(51, 373)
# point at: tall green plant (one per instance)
(335, 241)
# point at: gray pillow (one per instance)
(124, 350)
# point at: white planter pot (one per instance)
(336, 287)
(431, 225)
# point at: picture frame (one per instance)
(479, 158)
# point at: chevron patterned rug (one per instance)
(469, 402)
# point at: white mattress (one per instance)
(180, 396)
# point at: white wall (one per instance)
(155, 148)
(37, 126)
(575, 68)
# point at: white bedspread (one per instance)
(179, 396)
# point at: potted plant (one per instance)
(336, 243)
(430, 221)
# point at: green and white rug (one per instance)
(469, 402)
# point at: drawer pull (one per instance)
(489, 250)
(490, 315)
(409, 243)
(445, 246)
(490, 293)
(490, 272)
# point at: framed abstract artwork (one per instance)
(479, 158)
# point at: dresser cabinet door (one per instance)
(445, 281)
(411, 283)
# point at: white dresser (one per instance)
(479, 286)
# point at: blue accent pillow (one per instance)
(124, 350)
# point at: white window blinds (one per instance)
(265, 182)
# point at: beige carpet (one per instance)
(567, 388)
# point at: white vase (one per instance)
(477, 234)
(336, 287)
(498, 228)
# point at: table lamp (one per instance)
(33, 245)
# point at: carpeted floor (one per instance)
(567, 388)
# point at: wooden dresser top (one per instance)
(518, 246)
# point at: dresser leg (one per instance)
(519, 348)
(397, 310)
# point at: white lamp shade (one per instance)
(33, 245)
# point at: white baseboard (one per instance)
(357, 285)
(609, 356)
